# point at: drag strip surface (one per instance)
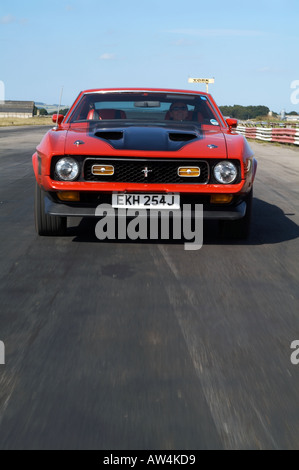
(143, 345)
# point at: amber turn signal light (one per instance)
(102, 170)
(221, 198)
(189, 171)
(69, 195)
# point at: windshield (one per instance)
(146, 107)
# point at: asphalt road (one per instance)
(141, 345)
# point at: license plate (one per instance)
(145, 201)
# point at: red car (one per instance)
(143, 148)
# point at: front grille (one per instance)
(135, 170)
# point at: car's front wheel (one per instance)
(238, 229)
(46, 224)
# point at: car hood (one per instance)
(193, 141)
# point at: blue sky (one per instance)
(250, 47)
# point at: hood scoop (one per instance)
(182, 136)
(109, 135)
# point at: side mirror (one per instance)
(232, 123)
(57, 118)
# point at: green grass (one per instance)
(34, 121)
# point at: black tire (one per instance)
(46, 224)
(238, 229)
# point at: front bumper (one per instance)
(224, 212)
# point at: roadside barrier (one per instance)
(271, 134)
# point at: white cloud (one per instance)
(7, 19)
(183, 43)
(216, 32)
(107, 56)
(264, 69)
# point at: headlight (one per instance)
(225, 172)
(67, 169)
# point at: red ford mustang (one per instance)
(143, 149)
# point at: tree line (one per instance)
(44, 112)
(244, 112)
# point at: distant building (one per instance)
(13, 109)
(292, 118)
